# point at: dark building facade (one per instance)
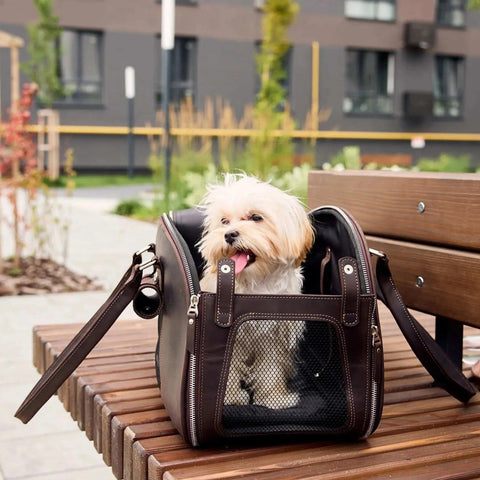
(387, 69)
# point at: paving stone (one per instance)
(46, 455)
(50, 420)
(100, 473)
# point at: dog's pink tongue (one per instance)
(240, 259)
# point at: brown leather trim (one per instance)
(225, 292)
(347, 266)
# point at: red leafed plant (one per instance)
(19, 170)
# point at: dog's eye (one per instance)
(256, 218)
(225, 221)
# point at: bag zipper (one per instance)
(377, 357)
(191, 314)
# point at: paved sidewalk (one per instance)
(51, 447)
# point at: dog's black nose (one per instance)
(231, 236)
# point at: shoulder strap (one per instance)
(81, 345)
(433, 358)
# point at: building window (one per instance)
(284, 80)
(448, 82)
(370, 82)
(451, 13)
(80, 66)
(382, 10)
(183, 70)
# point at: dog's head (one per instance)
(255, 224)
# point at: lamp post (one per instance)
(130, 96)
(168, 42)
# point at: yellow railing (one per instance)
(305, 134)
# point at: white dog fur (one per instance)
(268, 234)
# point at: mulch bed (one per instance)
(37, 276)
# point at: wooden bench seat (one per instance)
(424, 432)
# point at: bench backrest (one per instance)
(427, 223)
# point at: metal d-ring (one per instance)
(149, 263)
(149, 248)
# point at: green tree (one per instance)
(266, 150)
(474, 4)
(43, 51)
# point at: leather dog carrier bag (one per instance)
(235, 365)
(315, 359)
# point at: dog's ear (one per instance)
(306, 239)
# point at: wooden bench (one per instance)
(429, 225)
(424, 432)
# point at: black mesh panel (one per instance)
(285, 375)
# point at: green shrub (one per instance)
(348, 158)
(294, 182)
(446, 163)
(130, 207)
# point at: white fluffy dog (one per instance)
(268, 234)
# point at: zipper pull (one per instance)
(193, 308)
(377, 353)
(192, 315)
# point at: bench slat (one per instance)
(451, 278)
(100, 383)
(386, 204)
(114, 421)
(133, 433)
(93, 409)
(463, 469)
(135, 384)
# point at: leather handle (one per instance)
(433, 358)
(225, 292)
(85, 340)
(347, 266)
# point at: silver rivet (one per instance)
(421, 207)
(420, 282)
(190, 321)
(348, 269)
(225, 269)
